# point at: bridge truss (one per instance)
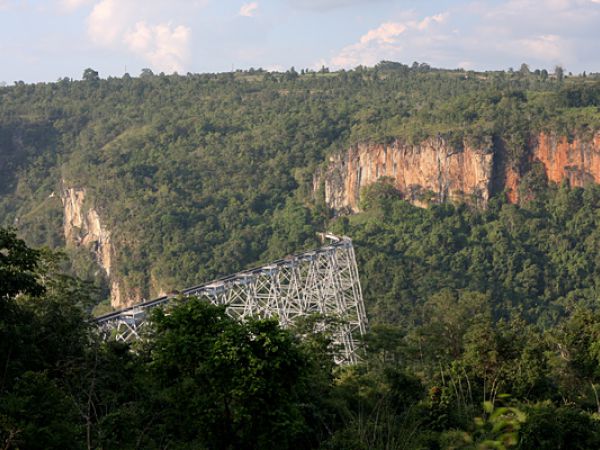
(323, 281)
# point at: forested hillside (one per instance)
(198, 176)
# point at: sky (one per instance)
(44, 40)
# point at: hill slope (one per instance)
(159, 182)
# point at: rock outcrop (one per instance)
(436, 171)
(83, 227)
(577, 161)
(431, 171)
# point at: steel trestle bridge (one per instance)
(322, 281)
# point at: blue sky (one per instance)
(42, 40)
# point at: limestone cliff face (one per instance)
(431, 171)
(437, 171)
(82, 227)
(577, 161)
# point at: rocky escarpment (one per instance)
(83, 228)
(437, 171)
(577, 160)
(433, 170)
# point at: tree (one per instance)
(42, 334)
(146, 73)
(37, 414)
(90, 75)
(291, 74)
(524, 70)
(559, 73)
(228, 384)
(548, 427)
(379, 195)
(18, 267)
(447, 317)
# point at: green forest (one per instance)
(201, 175)
(484, 323)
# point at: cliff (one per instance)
(436, 171)
(433, 170)
(577, 161)
(82, 227)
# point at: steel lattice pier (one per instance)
(323, 281)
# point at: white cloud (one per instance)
(163, 46)
(477, 35)
(249, 9)
(386, 33)
(133, 25)
(548, 47)
(388, 41)
(108, 21)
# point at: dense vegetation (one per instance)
(484, 334)
(538, 260)
(198, 176)
(484, 323)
